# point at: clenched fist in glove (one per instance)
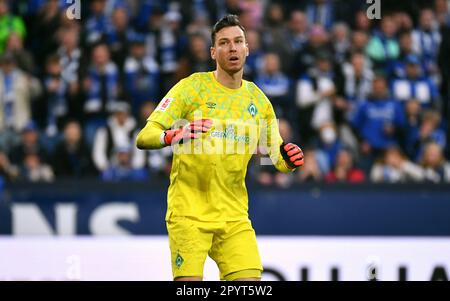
(292, 155)
(189, 131)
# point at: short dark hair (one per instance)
(227, 21)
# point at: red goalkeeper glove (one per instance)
(292, 155)
(189, 131)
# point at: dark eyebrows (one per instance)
(227, 39)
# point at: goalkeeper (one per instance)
(225, 119)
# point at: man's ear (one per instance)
(213, 53)
(246, 49)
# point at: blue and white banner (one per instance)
(95, 208)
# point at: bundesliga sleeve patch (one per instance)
(165, 103)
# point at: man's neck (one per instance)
(232, 81)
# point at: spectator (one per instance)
(196, 58)
(354, 83)
(142, 75)
(359, 40)
(329, 144)
(233, 7)
(112, 5)
(44, 32)
(403, 21)
(152, 32)
(72, 157)
(23, 57)
(118, 132)
(313, 94)
(377, 122)
(406, 50)
(253, 63)
(29, 144)
(426, 40)
(428, 131)
(16, 91)
(274, 29)
(72, 67)
(251, 14)
(394, 167)
(8, 24)
(415, 86)
(121, 169)
(200, 14)
(406, 44)
(276, 85)
(157, 161)
(33, 170)
(340, 42)
(144, 111)
(321, 12)
(96, 24)
(171, 41)
(55, 97)
(362, 22)
(413, 113)
(344, 170)
(200, 25)
(306, 58)
(146, 10)
(442, 12)
(70, 57)
(383, 47)
(291, 42)
(118, 35)
(102, 88)
(437, 168)
(267, 175)
(310, 171)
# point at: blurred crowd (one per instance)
(367, 99)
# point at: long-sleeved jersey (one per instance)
(207, 180)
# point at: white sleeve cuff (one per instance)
(161, 138)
